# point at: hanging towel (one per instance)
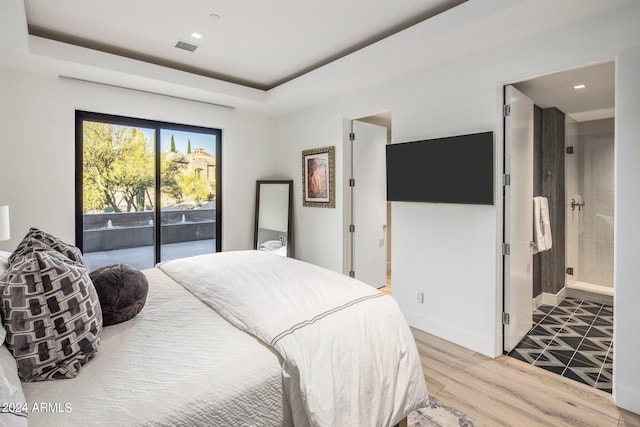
(538, 229)
(546, 223)
(541, 224)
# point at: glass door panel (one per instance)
(188, 162)
(118, 194)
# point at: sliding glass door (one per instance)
(146, 191)
(188, 195)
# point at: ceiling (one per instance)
(274, 57)
(256, 43)
(594, 101)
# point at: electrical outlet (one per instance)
(420, 297)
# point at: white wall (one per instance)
(626, 268)
(37, 147)
(452, 252)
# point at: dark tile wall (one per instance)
(548, 181)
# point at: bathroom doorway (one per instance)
(367, 212)
(572, 324)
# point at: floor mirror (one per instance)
(273, 220)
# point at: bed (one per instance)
(244, 338)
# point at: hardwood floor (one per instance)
(509, 392)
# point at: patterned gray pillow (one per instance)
(70, 251)
(52, 314)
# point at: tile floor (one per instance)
(573, 339)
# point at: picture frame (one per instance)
(318, 177)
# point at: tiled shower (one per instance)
(589, 205)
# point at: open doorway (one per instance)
(367, 212)
(571, 325)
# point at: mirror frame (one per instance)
(290, 239)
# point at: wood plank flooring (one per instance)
(508, 392)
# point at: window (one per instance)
(146, 191)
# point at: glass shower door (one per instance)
(589, 214)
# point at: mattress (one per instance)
(176, 363)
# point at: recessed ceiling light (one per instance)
(214, 16)
(580, 86)
(196, 36)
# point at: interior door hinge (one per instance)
(352, 273)
(506, 110)
(506, 179)
(506, 249)
(352, 228)
(352, 136)
(352, 182)
(505, 318)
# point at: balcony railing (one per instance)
(109, 231)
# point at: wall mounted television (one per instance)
(457, 169)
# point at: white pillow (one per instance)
(4, 261)
(14, 412)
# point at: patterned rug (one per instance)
(437, 414)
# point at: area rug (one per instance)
(437, 414)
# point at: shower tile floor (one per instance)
(573, 339)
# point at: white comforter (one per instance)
(177, 363)
(349, 356)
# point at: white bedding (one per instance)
(176, 363)
(349, 356)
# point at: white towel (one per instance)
(541, 224)
(546, 223)
(538, 229)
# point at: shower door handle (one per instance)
(574, 204)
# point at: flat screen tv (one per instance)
(457, 169)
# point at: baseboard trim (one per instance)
(590, 296)
(546, 298)
(451, 333)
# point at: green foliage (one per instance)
(118, 168)
(188, 146)
(134, 169)
(171, 170)
(196, 187)
(119, 172)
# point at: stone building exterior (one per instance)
(198, 161)
(202, 163)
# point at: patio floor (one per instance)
(142, 257)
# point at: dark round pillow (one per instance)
(122, 291)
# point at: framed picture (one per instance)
(318, 177)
